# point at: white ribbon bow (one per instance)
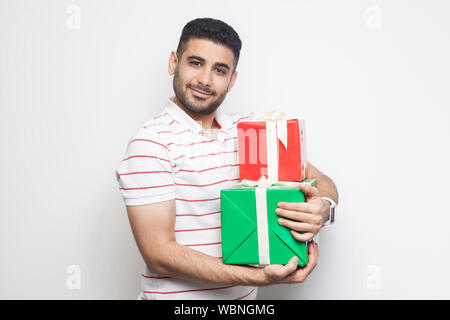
(277, 119)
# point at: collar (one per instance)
(223, 120)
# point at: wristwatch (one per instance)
(332, 211)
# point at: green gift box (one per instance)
(250, 230)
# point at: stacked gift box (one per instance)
(272, 164)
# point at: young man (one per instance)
(175, 167)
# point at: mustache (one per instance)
(201, 88)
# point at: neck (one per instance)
(206, 120)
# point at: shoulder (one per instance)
(149, 130)
(157, 122)
(237, 117)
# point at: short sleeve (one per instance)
(145, 173)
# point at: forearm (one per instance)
(178, 261)
(326, 186)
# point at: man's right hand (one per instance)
(277, 273)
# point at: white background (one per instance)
(371, 78)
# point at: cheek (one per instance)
(185, 76)
(221, 84)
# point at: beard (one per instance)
(196, 105)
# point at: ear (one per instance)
(173, 60)
(232, 80)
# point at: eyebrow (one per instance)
(219, 64)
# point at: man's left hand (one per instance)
(307, 217)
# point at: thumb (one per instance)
(293, 262)
(309, 191)
(291, 266)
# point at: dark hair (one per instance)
(210, 29)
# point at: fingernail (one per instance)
(280, 221)
(277, 211)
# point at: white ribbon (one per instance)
(276, 129)
(261, 187)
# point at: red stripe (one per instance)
(212, 154)
(241, 119)
(155, 277)
(159, 123)
(156, 124)
(178, 157)
(201, 244)
(198, 171)
(187, 230)
(124, 174)
(204, 185)
(190, 144)
(197, 215)
(161, 115)
(218, 124)
(169, 292)
(188, 200)
(142, 156)
(245, 295)
(146, 140)
(172, 132)
(167, 185)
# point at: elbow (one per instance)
(155, 261)
(152, 264)
(156, 267)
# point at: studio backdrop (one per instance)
(370, 78)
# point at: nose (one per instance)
(204, 78)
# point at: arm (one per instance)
(153, 229)
(326, 186)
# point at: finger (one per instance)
(303, 237)
(313, 255)
(290, 267)
(301, 274)
(295, 215)
(309, 191)
(297, 226)
(277, 272)
(313, 250)
(296, 206)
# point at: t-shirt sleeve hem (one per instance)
(149, 200)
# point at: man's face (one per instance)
(203, 75)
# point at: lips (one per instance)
(200, 94)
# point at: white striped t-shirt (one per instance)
(172, 157)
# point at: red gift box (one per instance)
(290, 162)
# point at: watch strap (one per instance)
(332, 211)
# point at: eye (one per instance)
(195, 63)
(220, 70)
